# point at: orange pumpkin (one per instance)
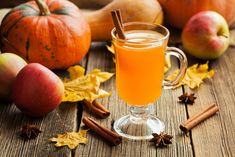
(178, 12)
(50, 32)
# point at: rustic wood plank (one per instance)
(215, 137)
(166, 108)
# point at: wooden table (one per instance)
(213, 138)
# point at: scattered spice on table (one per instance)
(29, 132)
(161, 140)
(187, 98)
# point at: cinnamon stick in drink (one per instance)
(117, 20)
(199, 117)
(119, 17)
(107, 134)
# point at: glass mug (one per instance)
(140, 60)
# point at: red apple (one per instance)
(37, 90)
(206, 35)
(10, 65)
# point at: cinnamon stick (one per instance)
(120, 17)
(107, 134)
(116, 15)
(199, 117)
(97, 108)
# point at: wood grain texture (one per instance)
(166, 108)
(11, 120)
(215, 137)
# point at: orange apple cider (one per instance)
(140, 66)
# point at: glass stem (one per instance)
(139, 114)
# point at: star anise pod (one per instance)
(187, 98)
(162, 139)
(29, 132)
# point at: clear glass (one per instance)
(140, 60)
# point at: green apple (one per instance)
(206, 35)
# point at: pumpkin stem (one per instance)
(43, 7)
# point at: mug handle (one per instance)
(173, 51)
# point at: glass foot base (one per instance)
(137, 128)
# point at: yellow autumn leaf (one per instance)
(194, 75)
(102, 76)
(82, 86)
(167, 59)
(74, 72)
(70, 139)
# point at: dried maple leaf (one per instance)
(80, 86)
(70, 139)
(194, 75)
(167, 60)
(75, 72)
